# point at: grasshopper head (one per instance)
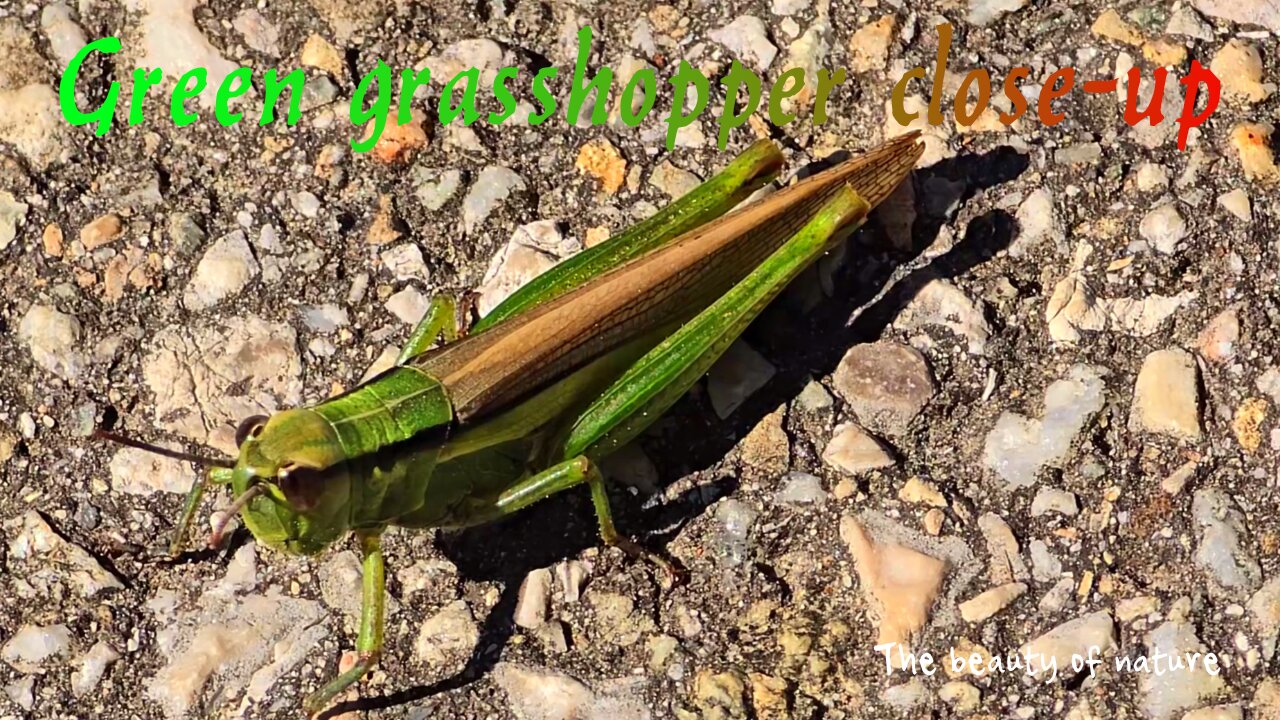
(292, 481)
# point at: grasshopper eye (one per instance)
(250, 427)
(302, 486)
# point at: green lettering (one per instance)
(273, 86)
(503, 95)
(67, 89)
(826, 82)
(780, 91)
(543, 95)
(142, 80)
(633, 118)
(410, 81)
(600, 84)
(222, 104)
(447, 111)
(377, 112)
(678, 118)
(186, 90)
(731, 119)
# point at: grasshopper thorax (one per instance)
(295, 475)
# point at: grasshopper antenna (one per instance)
(156, 449)
(246, 497)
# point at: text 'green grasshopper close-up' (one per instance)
(525, 403)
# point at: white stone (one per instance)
(54, 339)
(1018, 447)
(1049, 500)
(1058, 646)
(746, 38)
(224, 270)
(137, 472)
(47, 563)
(447, 636)
(33, 645)
(1164, 696)
(1164, 228)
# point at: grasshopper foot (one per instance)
(673, 573)
(319, 700)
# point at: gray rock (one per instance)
(673, 181)
(814, 397)
(940, 303)
(912, 695)
(54, 339)
(325, 319)
(32, 123)
(259, 33)
(187, 366)
(1244, 12)
(405, 262)
(1163, 696)
(738, 374)
(434, 188)
(90, 668)
(13, 214)
(1018, 447)
(1223, 548)
(1038, 221)
(801, 489)
(747, 39)
(1057, 647)
(1188, 23)
(22, 692)
(66, 38)
(1164, 228)
(734, 520)
(32, 646)
(1044, 566)
(137, 472)
(340, 587)
(533, 249)
(408, 305)
(494, 185)
(230, 638)
(1049, 500)
(448, 636)
(48, 566)
(224, 270)
(886, 385)
(1264, 612)
(985, 12)
(789, 7)
(306, 203)
(534, 599)
(536, 693)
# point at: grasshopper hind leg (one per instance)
(574, 472)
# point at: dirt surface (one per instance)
(1073, 397)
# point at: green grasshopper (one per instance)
(575, 364)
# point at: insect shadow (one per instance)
(800, 348)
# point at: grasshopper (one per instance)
(525, 403)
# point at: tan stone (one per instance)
(601, 160)
(1252, 145)
(869, 46)
(1247, 423)
(1239, 66)
(900, 584)
(855, 451)
(52, 240)
(919, 491)
(1166, 395)
(1113, 27)
(101, 231)
(319, 53)
(1164, 52)
(398, 143)
(986, 604)
(1217, 341)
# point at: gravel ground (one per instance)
(1029, 411)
